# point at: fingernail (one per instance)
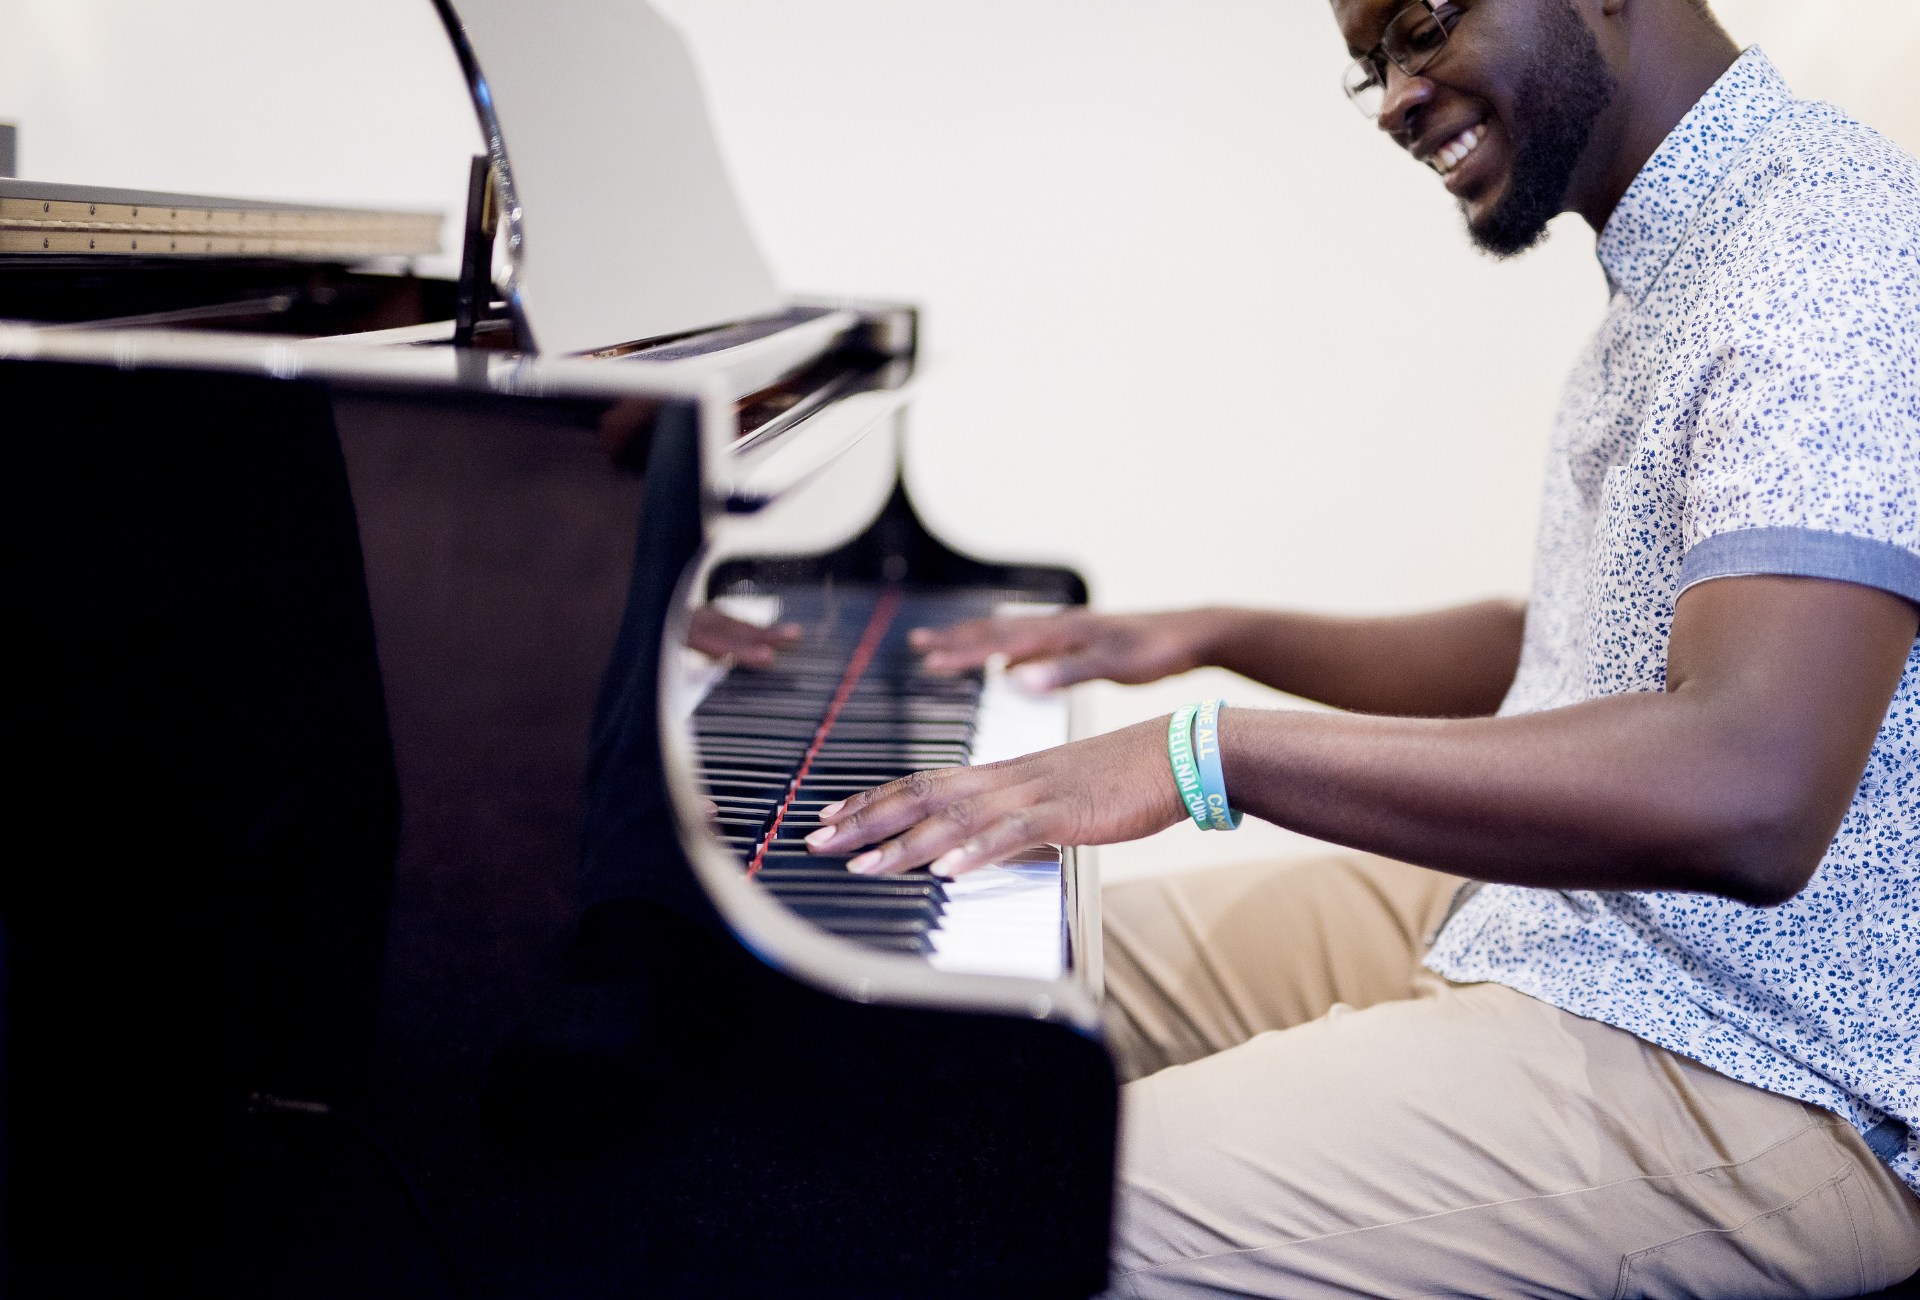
(944, 865)
(1038, 678)
(822, 836)
(919, 636)
(865, 863)
(831, 809)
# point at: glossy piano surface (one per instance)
(883, 1118)
(359, 694)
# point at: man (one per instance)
(1662, 1039)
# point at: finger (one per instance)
(1020, 829)
(975, 636)
(969, 645)
(1046, 675)
(974, 827)
(954, 649)
(875, 814)
(766, 644)
(720, 636)
(714, 633)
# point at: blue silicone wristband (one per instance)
(1186, 773)
(1213, 782)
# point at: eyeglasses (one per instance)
(1414, 37)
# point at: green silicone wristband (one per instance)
(1186, 772)
(1213, 781)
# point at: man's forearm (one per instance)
(1732, 780)
(1622, 793)
(1451, 663)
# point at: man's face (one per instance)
(1504, 114)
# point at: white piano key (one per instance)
(1007, 919)
(1003, 920)
(1014, 721)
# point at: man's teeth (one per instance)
(1455, 150)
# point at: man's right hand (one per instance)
(1054, 650)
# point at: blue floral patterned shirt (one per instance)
(1750, 405)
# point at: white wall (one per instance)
(1192, 326)
(324, 101)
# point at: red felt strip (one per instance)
(883, 612)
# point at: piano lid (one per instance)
(622, 223)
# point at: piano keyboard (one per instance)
(845, 710)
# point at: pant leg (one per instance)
(1201, 962)
(1474, 1141)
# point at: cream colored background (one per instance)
(1193, 327)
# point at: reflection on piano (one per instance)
(360, 685)
(849, 709)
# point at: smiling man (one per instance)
(1618, 994)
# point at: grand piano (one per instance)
(416, 912)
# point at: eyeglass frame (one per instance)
(1374, 60)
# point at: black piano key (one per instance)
(831, 789)
(862, 908)
(860, 764)
(791, 861)
(844, 729)
(897, 709)
(740, 725)
(914, 944)
(791, 745)
(841, 881)
(762, 762)
(807, 711)
(729, 772)
(756, 728)
(749, 790)
(874, 925)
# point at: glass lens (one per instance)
(1365, 86)
(1415, 35)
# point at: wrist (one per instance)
(1239, 738)
(1220, 633)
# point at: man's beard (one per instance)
(1555, 105)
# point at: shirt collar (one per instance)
(1653, 215)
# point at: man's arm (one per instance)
(1731, 781)
(1449, 663)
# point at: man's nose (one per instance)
(1403, 95)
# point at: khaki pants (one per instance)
(1401, 1135)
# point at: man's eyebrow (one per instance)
(1357, 51)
